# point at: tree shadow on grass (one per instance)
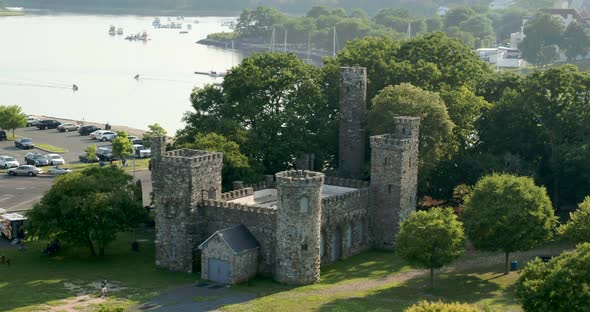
(473, 288)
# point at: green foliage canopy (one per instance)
(440, 306)
(577, 229)
(431, 239)
(122, 145)
(560, 285)
(87, 208)
(508, 213)
(12, 117)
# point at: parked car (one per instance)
(48, 124)
(135, 140)
(86, 130)
(32, 121)
(106, 136)
(104, 153)
(67, 127)
(83, 157)
(3, 135)
(55, 159)
(24, 170)
(36, 159)
(140, 151)
(94, 134)
(8, 162)
(24, 143)
(58, 171)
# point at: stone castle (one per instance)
(295, 221)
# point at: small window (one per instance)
(211, 193)
(304, 247)
(304, 205)
(390, 188)
(322, 244)
(385, 161)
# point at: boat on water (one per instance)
(214, 74)
(138, 37)
(189, 26)
(119, 31)
(112, 30)
(183, 32)
(156, 22)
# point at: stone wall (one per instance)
(394, 171)
(242, 266)
(299, 211)
(353, 107)
(344, 225)
(261, 222)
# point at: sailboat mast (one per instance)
(308, 48)
(285, 43)
(334, 44)
(409, 30)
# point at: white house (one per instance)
(501, 57)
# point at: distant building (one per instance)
(501, 57)
(442, 10)
(501, 4)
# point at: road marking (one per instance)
(25, 202)
(5, 197)
(21, 188)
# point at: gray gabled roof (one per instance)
(238, 238)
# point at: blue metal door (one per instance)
(218, 270)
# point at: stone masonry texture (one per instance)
(353, 111)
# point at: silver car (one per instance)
(8, 162)
(24, 170)
(58, 171)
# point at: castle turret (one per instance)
(299, 212)
(182, 179)
(394, 179)
(353, 111)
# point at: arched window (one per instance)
(304, 205)
(322, 244)
(211, 193)
(349, 236)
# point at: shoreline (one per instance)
(131, 131)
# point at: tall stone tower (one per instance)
(353, 115)
(394, 179)
(181, 180)
(299, 212)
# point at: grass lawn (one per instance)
(34, 281)
(381, 281)
(50, 148)
(11, 13)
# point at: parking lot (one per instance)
(21, 193)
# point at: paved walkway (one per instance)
(194, 297)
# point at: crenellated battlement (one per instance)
(389, 140)
(357, 193)
(299, 176)
(188, 156)
(353, 70)
(346, 182)
(217, 204)
(237, 194)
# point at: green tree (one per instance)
(560, 285)
(12, 117)
(154, 130)
(541, 31)
(122, 146)
(259, 22)
(236, 165)
(87, 209)
(545, 121)
(273, 107)
(458, 15)
(577, 229)
(431, 239)
(436, 127)
(90, 151)
(575, 41)
(480, 26)
(509, 214)
(425, 306)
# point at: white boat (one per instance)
(214, 74)
(156, 22)
(119, 31)
(112, 30)
(189, 26)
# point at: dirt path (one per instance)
(77, 304)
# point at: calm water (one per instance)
(41, 56)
